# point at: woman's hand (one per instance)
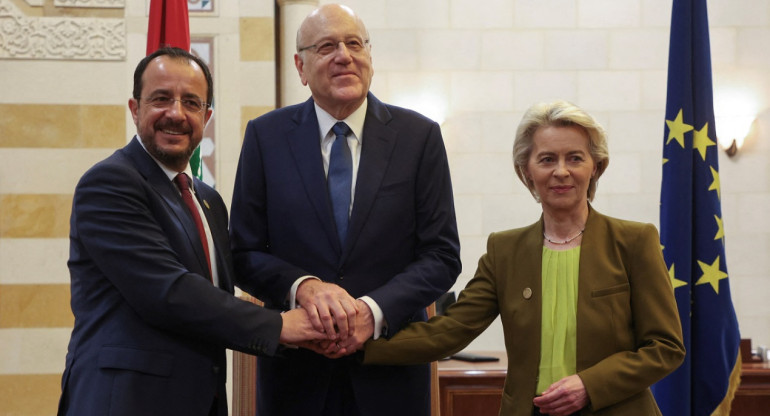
(563, 398)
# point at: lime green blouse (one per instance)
(558, 333)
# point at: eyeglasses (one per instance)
(191, 105)
(327, 47)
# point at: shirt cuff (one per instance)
(293, 291)
(379, 318)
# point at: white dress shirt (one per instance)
(355, 138)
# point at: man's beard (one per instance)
(170, 159)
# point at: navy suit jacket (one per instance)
(402, 247)
(150, 329)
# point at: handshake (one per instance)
(329, 322)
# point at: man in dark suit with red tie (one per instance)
(151, 269)
(343, 206)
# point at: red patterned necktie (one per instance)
(182, 182)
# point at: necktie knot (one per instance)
(182, 182)
(341, 129)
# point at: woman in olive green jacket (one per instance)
(587, 307)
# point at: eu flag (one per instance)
(692, 233)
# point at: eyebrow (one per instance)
(168, 92)
(569, 153)
(342, 38)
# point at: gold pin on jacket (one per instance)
(527, 293)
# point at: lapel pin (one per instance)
(527, 293)
(206, 203)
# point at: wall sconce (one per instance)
(732, 131)
(735, 109)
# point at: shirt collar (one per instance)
(355, 121)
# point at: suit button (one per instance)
(215, 369)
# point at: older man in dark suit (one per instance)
(343, 206)
(151, 270)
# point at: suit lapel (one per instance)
(530, 262)
(158, 180)
(305, 146)
(377, 146)
(218, 235)
(592, 267)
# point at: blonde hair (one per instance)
(559, 114)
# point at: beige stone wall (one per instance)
(476, 66)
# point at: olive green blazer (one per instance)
(628, 330)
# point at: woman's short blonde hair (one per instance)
(559, 114)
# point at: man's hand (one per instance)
(337, 349)
(330, 308)
(297, 328)
(330, 349)
(364, 328)
(564, 397)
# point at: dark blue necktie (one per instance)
(340, 178)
